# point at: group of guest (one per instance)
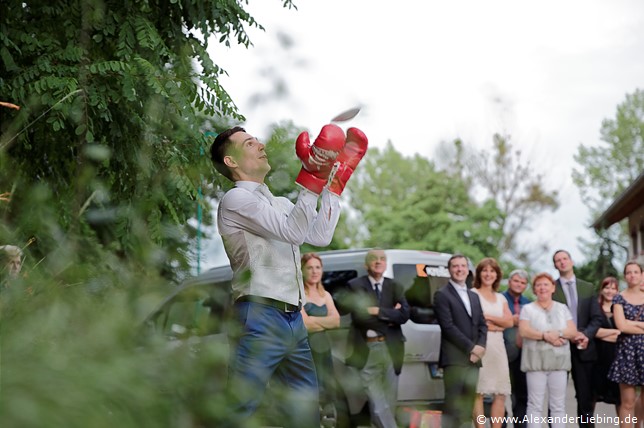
(494, 344)
(598, 338)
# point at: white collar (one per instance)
(458, 286)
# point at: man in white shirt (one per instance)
(463, 340)
(262, 235)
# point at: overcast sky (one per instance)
(545, 72)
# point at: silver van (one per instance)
(421, 273)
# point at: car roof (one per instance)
(225, 273)
(393, 256)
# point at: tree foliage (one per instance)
(604, 171)
(504, 176)
(102, 166)
(405, 202)
(109, 132)
(607, 169)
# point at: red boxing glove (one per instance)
(354, 149)
(318, 158)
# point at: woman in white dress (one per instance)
(494, 375)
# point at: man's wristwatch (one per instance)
(561, 334)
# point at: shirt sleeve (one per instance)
(287, 222)
(323, 227)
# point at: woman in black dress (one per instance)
(320, 314)
(604, 389)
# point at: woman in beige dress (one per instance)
(494, 375)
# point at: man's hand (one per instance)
(373, 310)
(478, 350)
(354, 149)
(476, 354)
(318, 159)
(580, 340)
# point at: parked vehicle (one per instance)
(196, 312)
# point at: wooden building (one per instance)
(630, 204)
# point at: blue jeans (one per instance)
(273, 345)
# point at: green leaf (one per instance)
(97, 152)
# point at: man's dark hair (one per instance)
(219, 149)
(561, 251)
(455, 256)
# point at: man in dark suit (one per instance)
(378, 309)
(580, 297)
(517, 284)
(463, 339)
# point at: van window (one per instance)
(420, 283)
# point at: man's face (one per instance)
(458, 270)
(517, 285)
(563, 263)
(247, 158)
(13, 266)
(376, 263)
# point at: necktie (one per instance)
(376, 288)
(572, 300)
(517, 311)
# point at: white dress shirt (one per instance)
(262, 234)
(373, 333)
(462, 293)
(569, 286)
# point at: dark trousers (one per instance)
(460, 393)
(272, 346)
(519, 392)
(582, 375)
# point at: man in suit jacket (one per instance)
(580, 297)
(517, 284)
(463, 340)
(378, 309)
